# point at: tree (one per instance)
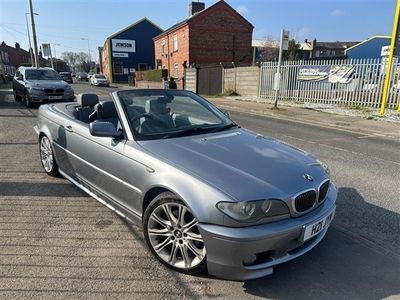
(292, 52)
(79, 61)
(270, 50)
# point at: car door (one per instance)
(100, 164)
(17, 83)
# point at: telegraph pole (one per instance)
(34, 34)
(29, 39)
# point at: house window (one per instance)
(118, 68)
(164, 66)
(175, 39)
(176, 70)
(163, 46)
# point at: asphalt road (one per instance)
(56, 242)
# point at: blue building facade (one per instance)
(129, 50)
(370, 48)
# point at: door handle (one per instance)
(68, 128)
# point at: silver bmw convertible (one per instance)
(209, 194)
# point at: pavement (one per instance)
(355, 124)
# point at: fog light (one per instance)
(249, 259)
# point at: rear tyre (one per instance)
(171, 233)
(17, 98)
(47, 156)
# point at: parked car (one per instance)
(99, 80)
(90, 74)
(40, 85)
(208, 193)
(66, 76)
(82, 76)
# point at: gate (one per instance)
(209, 80)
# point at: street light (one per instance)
(55, 56)
(88, 45)
(29, 37)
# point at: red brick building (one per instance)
(218, 34)
(11, 58)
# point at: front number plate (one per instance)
(55, 97)
(313, 229)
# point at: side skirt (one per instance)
(118, 209)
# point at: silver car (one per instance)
(208, 193)
(40, 85)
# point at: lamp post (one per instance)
(85, 39)
(29, 38)
(34, 34)
(55, 56)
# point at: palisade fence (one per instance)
(357, 82)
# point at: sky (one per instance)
(64, 23)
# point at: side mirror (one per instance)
(104, 129)
(20, 77)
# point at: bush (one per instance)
(151, 75)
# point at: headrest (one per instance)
(87, 99)
(106, 110)
(156, 106)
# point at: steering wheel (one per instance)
(144, 115)
(155, 122)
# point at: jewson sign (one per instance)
(332, 74)
(123, 45)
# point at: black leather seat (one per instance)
(86, 106)
(105, 111)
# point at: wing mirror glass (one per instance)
(104, 129)
(20, 77)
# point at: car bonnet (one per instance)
(243, 165)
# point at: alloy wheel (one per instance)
(46, 154)
(174, 236)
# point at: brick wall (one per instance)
(221, 35)
(172, 58)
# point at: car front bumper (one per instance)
(101, 83)
(272, 243)
(48, 99)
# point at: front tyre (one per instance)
(27, 100)
(47, 156)
(17, 98)
(171, 232)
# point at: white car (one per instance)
(99, 80)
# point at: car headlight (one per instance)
(253, 211)
(35, 90)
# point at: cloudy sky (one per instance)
(66, 22)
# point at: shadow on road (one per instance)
(343, 266)
(43, 189)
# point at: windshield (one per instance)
(156, 114)
(39, 74)
(100, 76)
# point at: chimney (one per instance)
(195, 7)
(17, 46)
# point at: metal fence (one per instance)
(342, 82)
